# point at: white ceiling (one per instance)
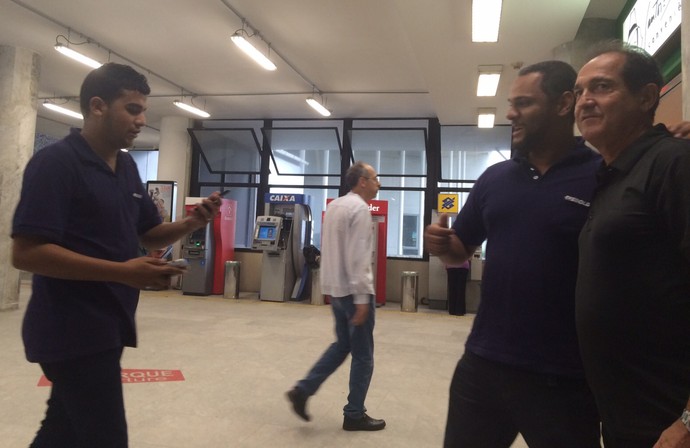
(370, 58)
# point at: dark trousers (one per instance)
(611, 441)
(86, 407)
(457, 282)
(490, 403)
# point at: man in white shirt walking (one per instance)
(346, 276)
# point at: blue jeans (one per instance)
(355, 340)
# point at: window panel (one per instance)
(466, 151)
(392, 152)
(147, 164)
(227, 150)
(404, 209)
(304, 151)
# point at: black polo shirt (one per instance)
(526, 316)
(633, 287)
(72, 198)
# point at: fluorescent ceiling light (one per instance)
(489, 75)
(252, 52)
(488, 84)
(486, 18)
(62, 110)
(192, 109)
(486, 118)
(67, 51)
(318, 107)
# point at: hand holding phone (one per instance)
(180, 263)
(222, 194)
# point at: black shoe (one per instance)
(299, 402)
(365, 423)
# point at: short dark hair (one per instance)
(357, 170)
(557, 77)
(109, 82)
(639, 68)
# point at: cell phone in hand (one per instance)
(180, 263)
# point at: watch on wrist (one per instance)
(685, 419)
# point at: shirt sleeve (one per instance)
(358, 257)
(45, 202)
(675, 204)
(469, 224)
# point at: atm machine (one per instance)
(281, 233)
(198, 250)
(207, 249)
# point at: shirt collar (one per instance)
(630, 155)
(578, 154)
(85, 153)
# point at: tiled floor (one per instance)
(238, 358)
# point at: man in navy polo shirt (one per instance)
(81, 218)
(521, 371)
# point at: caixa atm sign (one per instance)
(282, 198)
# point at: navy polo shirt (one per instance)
(633, 288)
(71, 197)
(526, 316)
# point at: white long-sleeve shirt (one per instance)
(346, 249)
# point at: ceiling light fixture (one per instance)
(317, 106)
(241, 41)
(69, 52)
(74, 54)
(192, 109)
(62, 110)
(489, 75)
(486, 117)
(285, 62)
(486, 19)
(65, 45)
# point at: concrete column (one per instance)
(175, 158)
(19, 73)
(685, 54)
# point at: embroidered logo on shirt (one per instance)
(137, 195)
(576, 200)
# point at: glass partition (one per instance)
(466, 151)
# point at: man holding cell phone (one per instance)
(82, 245)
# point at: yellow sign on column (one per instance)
(448, 203)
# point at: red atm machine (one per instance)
(212, 259)
(379, 217)
(379, 221)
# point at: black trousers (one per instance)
(86, 407)
(490, 403)
(457, 282)
(611, 441)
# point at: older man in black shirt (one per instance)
(633, 289)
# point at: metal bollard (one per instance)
(316, 296)
(409, 289)
(232, 280)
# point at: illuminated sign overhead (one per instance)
(275, 198)
(651, 22)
